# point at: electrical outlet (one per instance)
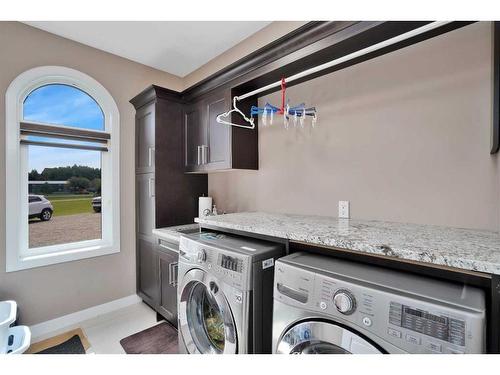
(344, 210)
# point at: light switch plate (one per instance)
(344, 212)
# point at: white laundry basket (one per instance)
(18, 339)
(8, 311)
(13, 340)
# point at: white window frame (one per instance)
(18, 254)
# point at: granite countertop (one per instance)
(467, 249)
(174, 233)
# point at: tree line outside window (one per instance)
(78, 179)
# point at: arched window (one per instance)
(63, 105)
(62, 153)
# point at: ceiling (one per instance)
(177, 47)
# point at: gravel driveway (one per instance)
(63, 229)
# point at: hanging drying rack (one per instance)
(298, 112)
(221, 118)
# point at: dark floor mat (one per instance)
(72, 346)
(160, 339)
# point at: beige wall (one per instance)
(273, 31)
(47, 292)
(404, 137)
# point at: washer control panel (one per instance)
(227, 266)
(409, 322)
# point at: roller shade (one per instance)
(50, 131)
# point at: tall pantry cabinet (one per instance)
(165, 194)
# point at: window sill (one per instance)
(25, 262)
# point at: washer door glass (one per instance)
(316, 337)
(205, 319)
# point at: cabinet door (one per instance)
(168, 268)
(219, 135)
(147, 258)
(195, 137)
(145, 198)
(145, 139)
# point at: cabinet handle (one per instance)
(172, 268)
(151, 156)
(200, 155)
(205, 154)
(170, 274)
(151, 187)
(159, 275)
(176, 274)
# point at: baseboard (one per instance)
(41, 329)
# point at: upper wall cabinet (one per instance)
(145, 139)
(195, 136)
(160, 165)
(210, 146)
(218, 155)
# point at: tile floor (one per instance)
(105, 331)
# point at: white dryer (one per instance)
(327, 305)
(225, 293)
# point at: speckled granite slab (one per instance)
(460, 248)
(174, 233)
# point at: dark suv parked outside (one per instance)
(96, 204)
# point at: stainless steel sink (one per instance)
(188, 230)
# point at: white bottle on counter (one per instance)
(204, 206)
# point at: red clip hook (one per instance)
(283, 89)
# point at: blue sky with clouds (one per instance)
(67, 106)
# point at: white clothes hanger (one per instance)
(221, 118)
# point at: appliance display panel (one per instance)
(230, 263)
(437, 326)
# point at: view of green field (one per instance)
(70, 204)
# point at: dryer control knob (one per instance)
(202, 256)
(344, 301)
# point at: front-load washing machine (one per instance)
(225, 293)
(327, 305)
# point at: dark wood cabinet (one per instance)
(165, 194)
(147, 268)
(145, 139)
(211, 146)
(168, 261)
(195, 136)
(157, 275)
(219, 135)
(145, 204)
